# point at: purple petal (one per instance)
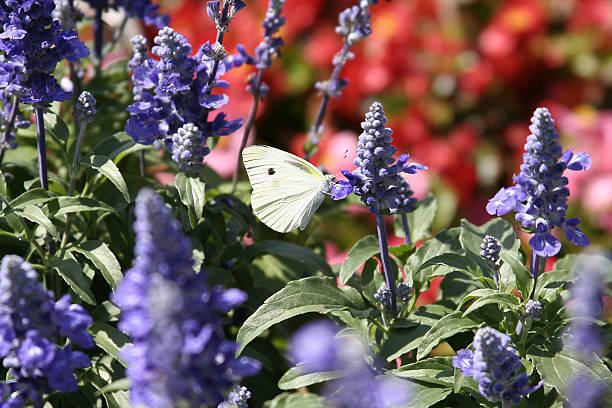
(341, 189)
(464, 360)
(574, 234)
(580, 161)
(544, 244)
(502, 202)
(412, 168)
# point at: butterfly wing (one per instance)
(287, 190)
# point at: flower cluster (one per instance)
(142, 9)
(237, 398)
(533, 310)
(490, 248)
(539, 194)
(85, 107)
(383, 294)
(495, 365)
(404, 200)
(189, 148)
(176, 90)
(318, 347)
(173, 317)
(30, 325)
(267, 49)
(32, 44)
(377, 176)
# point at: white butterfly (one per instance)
(287, 190)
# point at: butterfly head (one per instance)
(328, 182)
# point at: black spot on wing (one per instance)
(271, 171)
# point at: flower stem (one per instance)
(142, 163)
(42, 148)
(77, 156)
(386, 261)
(406, 226)
(315, 131)
(248, 125)
(537, 264)
(98, 39)
(9, 127)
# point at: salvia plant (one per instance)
(132, 274)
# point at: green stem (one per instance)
(406, 229)
(248, 126)
(77, 156)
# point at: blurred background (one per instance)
(459, 80)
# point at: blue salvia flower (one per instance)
(404, 291)
(31, 323)
(189, 148)
(495, 365)
(174, 90)
(237, 398)
(318, 347)
(376, 180)
(267, 49)
(179, 354)
(353, 25)
(85, 107)
(31, 45)
(383, 295)
(490, 248)
(533, 310)
(585, 336)
(404, 200)
(539, 194)
(377, 177)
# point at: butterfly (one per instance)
(287, 190)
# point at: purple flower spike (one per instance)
(171, 314)
(31, 323)
(495, 365)
(544, 244)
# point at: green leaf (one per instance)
(419, 220)
(56, 128)
(36, 215)
(522, 276)
(556, 369)
(435, 370)
(109, 339)
(305, 256)
(446, 241)
(66, 205)
(425, 396)
(31, 197)
(296, 378)
(117, 146)
(106, 167)
(371, 280)
(120, 385)
(103, 259)
(313, 294)
(454, 262)
(499, 298)
(70, 270)
(192, 192)
(478, 293)
(105, 312)
(297, 400)
(444, 328)
(363, 250)
(404, 340)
